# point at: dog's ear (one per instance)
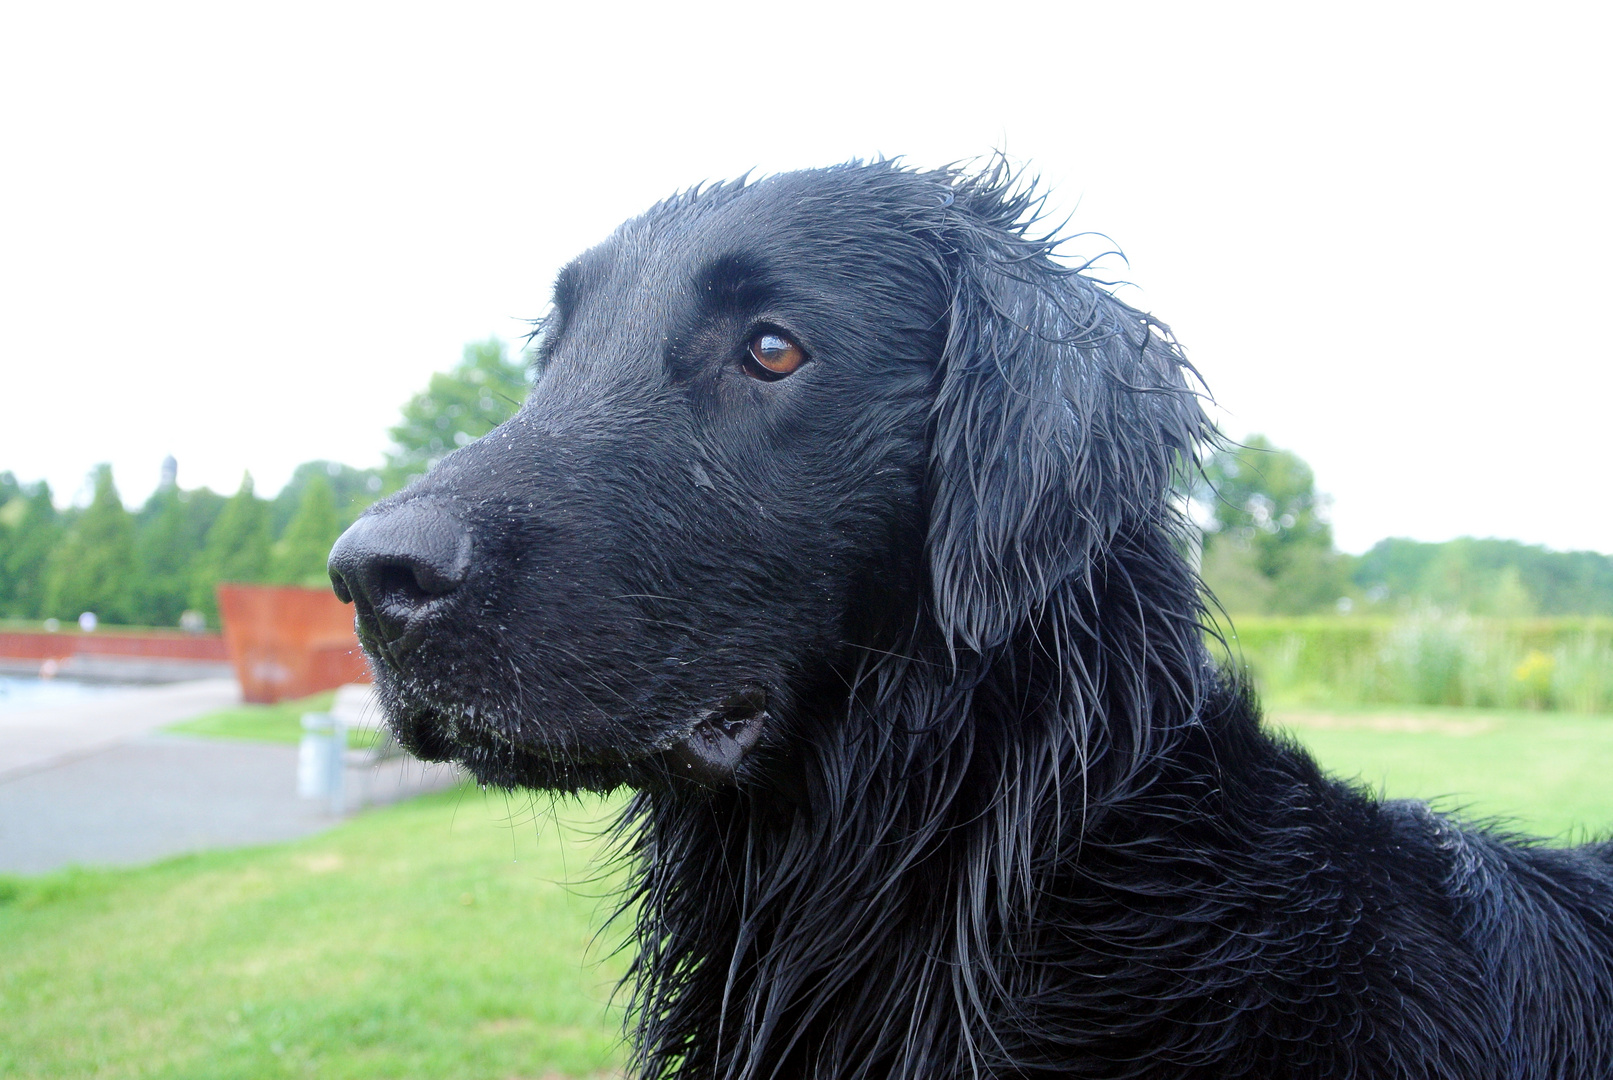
(1062, 418)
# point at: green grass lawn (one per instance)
(429, 939)
(278, 723)
(1547, 774)
(436, 939)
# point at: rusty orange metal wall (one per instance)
(288, 642)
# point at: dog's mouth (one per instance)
(706, 751)
(712, 749)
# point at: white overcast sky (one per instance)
(245, 234)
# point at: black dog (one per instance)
(840, 524)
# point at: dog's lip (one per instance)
(713, 748)
(707, 749)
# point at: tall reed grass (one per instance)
(1561, 664)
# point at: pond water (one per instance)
(22, 692)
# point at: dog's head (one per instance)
(777, 425)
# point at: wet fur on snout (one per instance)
(1000, 813)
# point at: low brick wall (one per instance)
(282, 643)
(153, 645)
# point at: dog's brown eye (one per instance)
(775, 356)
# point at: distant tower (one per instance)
(170, 474)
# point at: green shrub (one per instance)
(1425, 659)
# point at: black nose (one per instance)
(393, 565)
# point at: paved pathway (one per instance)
(47, 735)
(92, 782)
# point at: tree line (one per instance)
(150, 566)
(1268, 549)
(1267, 545)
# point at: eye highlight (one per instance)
(770, 356)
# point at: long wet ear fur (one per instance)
(1062, 417)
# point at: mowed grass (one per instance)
(1543, 774)
(278, 723)
(430, 939)
(437, 939)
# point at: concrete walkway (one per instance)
(37, 738)
(93, 783)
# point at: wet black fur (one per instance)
(1008, 817)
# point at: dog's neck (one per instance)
(904, 853)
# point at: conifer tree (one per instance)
(164, 553)
(13, 504)
(237, 548)
(299, 556)
(93, 568)
(34, 533)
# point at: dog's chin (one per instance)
(706, 752)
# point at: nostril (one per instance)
(400, 585)
(339, 586)
(393, 563)
(433, 578)
(396, 596)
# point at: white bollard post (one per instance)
(321, 759)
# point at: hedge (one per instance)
(1557, 663)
